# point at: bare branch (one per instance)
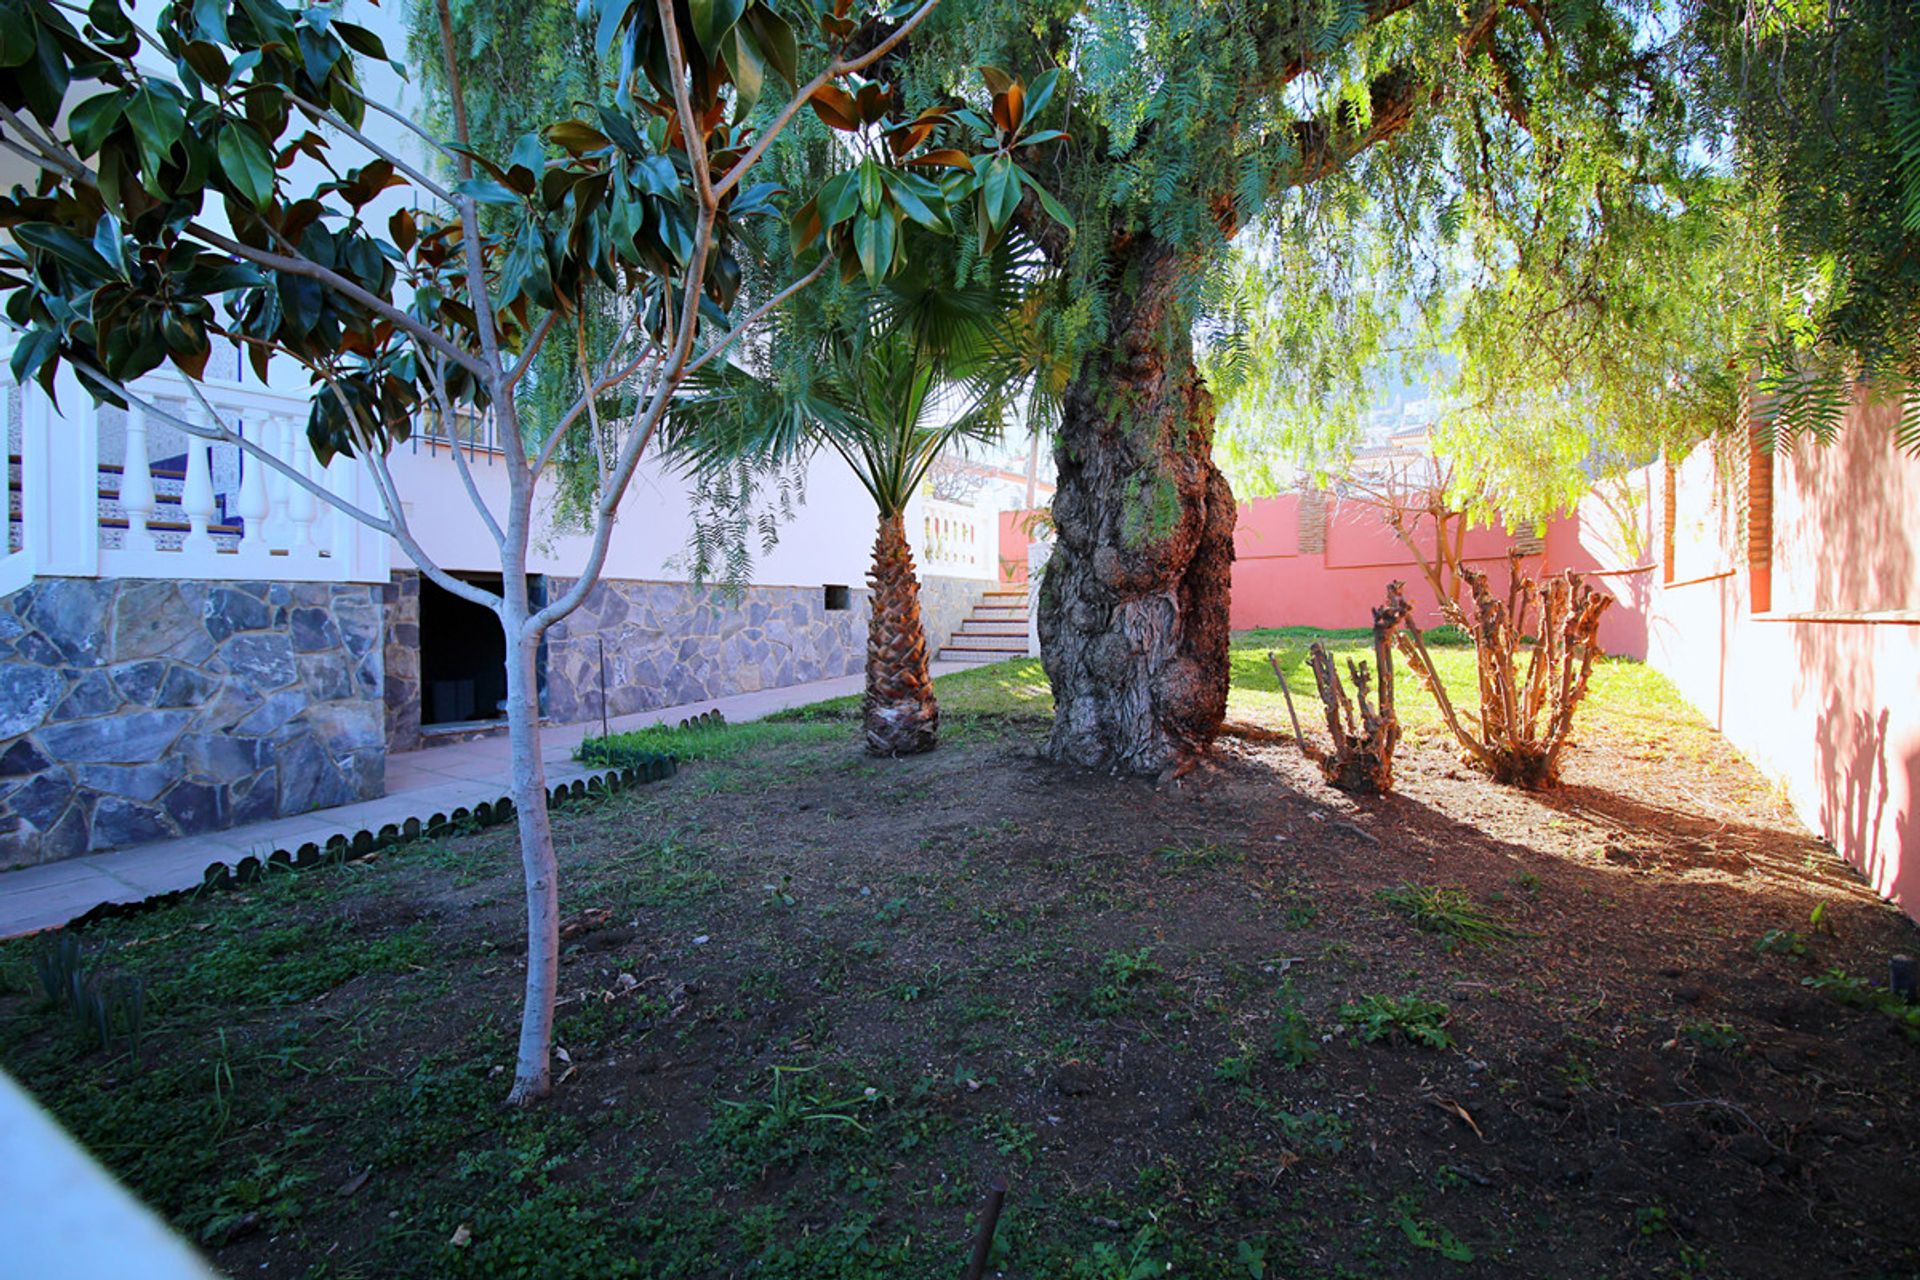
(390, 494)
(297, 266)
(756, 315)
(535, 341)
(834, 70)
(50, 153)
(447, 416)
(224, 434)
(327, 117)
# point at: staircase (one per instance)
(995, 631)
(168, 524)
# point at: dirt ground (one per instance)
(815, 1004)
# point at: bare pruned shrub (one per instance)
(1363, 737)
(1535, 650)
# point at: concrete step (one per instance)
(980, 657)
(979, 632)
(985, 644)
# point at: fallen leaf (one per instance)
(354, 1183)
(462, 1236)
(1451, 1107)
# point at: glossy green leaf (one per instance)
(246, 162)
(19, 37)
(158, 121)
(748, 70)
(778, 45)
(839, 198)
(873, 241)
(912, 203)
(1001, 189)
(91, 121)
(486, 191)
(1040, 92)
(64, 245)
(713, 19)
(1055, 210)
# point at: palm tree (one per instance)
(888, 378)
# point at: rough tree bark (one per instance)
(1133, 609)
(900, 713)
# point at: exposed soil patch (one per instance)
(814, 1004)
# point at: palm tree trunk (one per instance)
(901, 715)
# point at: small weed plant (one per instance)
(1857, 993)
(1294, 1044)
(1405, 1018)
(1449, 912)
(1122, 973)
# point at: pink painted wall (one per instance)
(1275, 584)
(1823, 690)
(1013, 546)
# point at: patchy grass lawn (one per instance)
(1242, 1026)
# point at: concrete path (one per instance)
(419, 784)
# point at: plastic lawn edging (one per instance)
(636, 769)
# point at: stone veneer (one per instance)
(401, 598)
(134, 710)
(945, 603)
(670, 643)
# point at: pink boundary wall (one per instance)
(1277, 583)
(1821, 691)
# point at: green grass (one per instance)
(1627, 696)
(1451, 912)
(726, 741)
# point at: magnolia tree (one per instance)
(168, 212)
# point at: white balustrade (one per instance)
(954, 541)
(284, 532)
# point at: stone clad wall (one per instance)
(135, 710)
(401, 597)
(670, 643)
(945, 603)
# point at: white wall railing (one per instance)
(950, 540)
(100, 492)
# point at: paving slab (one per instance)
(419, 784)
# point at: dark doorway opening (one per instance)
(463, 655)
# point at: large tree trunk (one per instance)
(1133, 608)
(532, 1068)
(901, 715)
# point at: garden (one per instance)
(814, 1006)
(1103, 965)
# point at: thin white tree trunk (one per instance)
(532, 1072)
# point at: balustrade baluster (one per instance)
(320, 532)
(254, 504)
(301, 504)
(196, 499)
(278, 438)
(136, 480)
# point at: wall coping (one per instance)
(61, 1214)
